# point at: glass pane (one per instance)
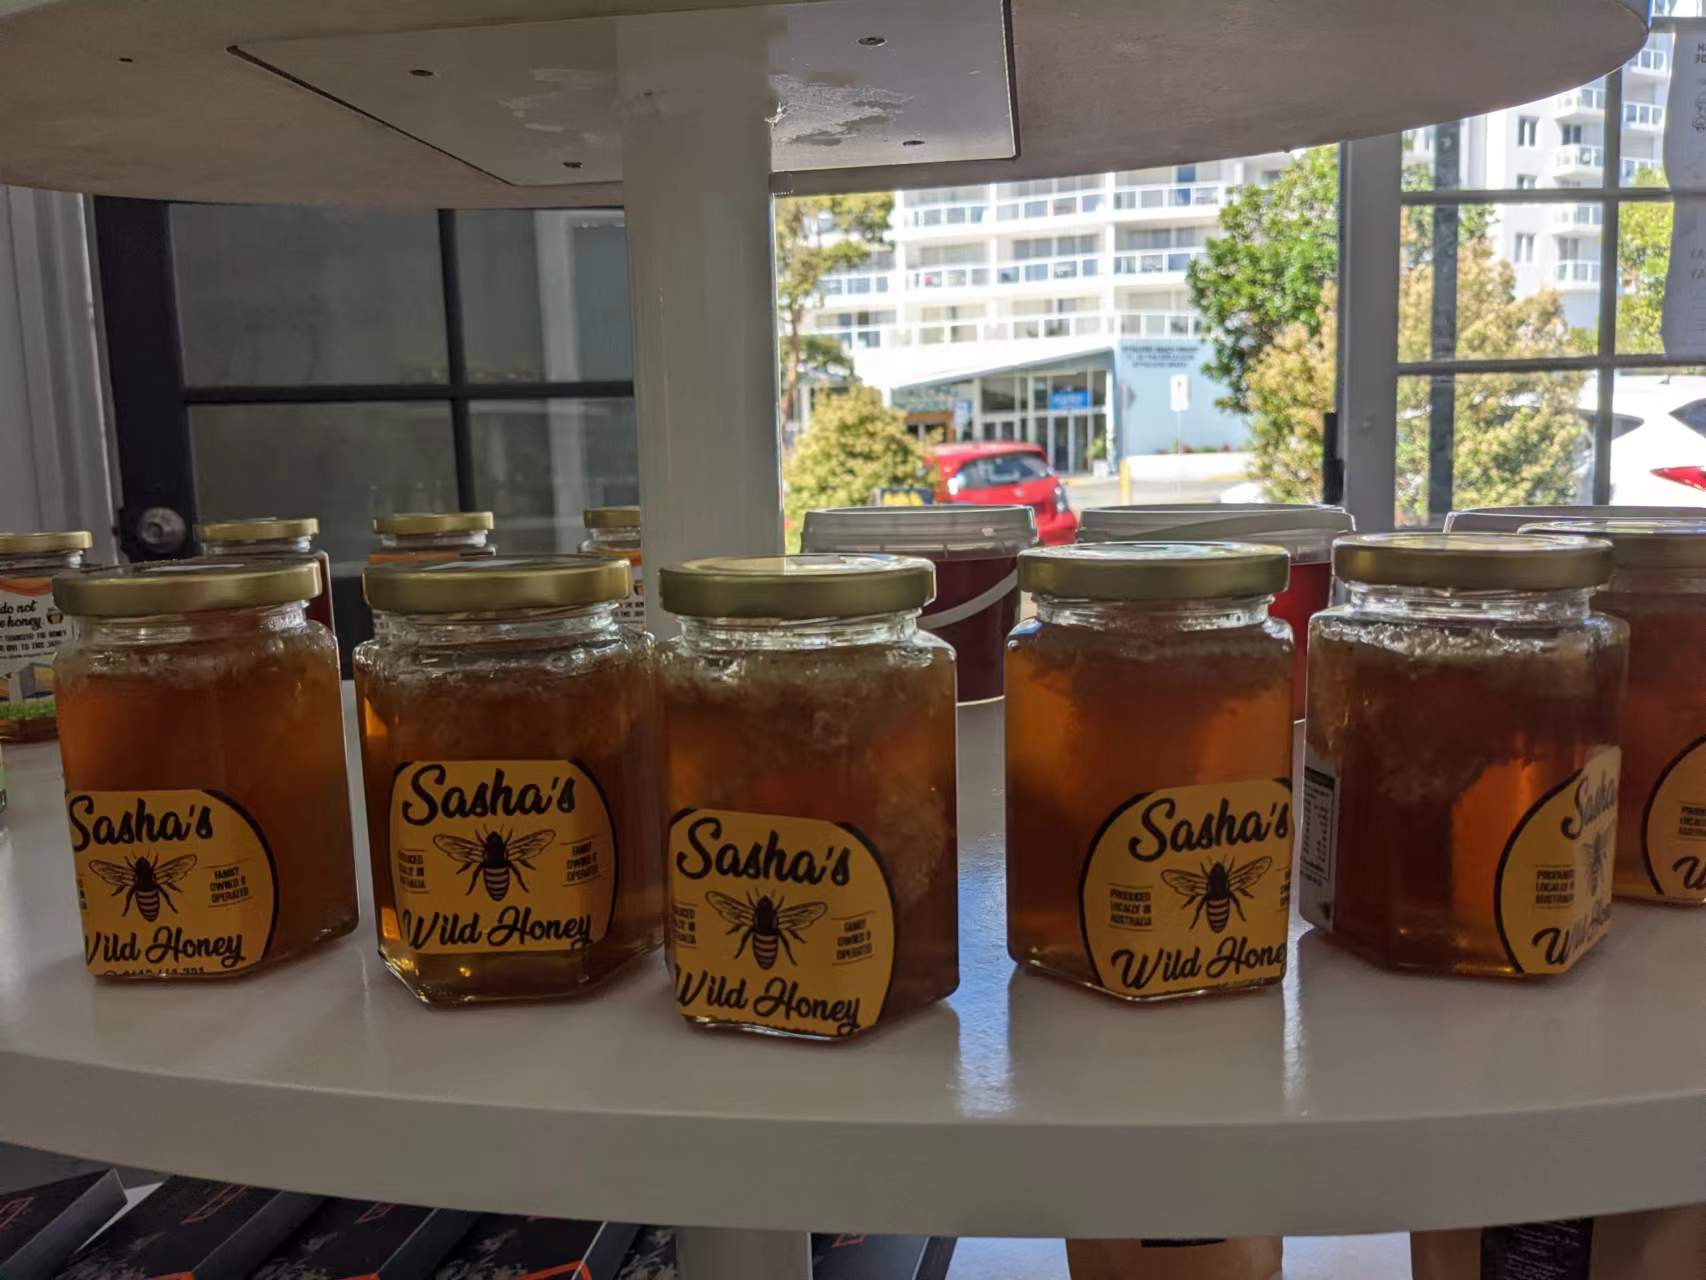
(344, 463)
(1556, 142)
(1644, 236)
(1527, 281)
(1516, 439)
(538, 464)
(286, 296)
(1658, 438)
(545, 295)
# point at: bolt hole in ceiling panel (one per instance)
(853, 82)
(316, 101)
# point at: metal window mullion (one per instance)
(1608, 236)
(449, 260)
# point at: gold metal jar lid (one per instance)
(797, 587)
(415, 523)
(1155, 570)
(185, 586)
(611, 517)
(1639, 544)
(258, 529)
(1473, 561)
(28, 544)
(495, 585)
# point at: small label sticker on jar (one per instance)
(501, 856)
(1190, 887)
(1552, 895)
(31, 629)
(1673, 828)
(1318, 842)
(631, 610)
(170, 883)
(779, 922)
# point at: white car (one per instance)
(1658, 440)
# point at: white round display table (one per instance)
(1350, 1100)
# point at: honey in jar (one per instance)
(1149, 826)
(32, 628)
(615, 532)
(809, 778)
(427, 536)
(201, 730)
(1460, 791)
(508, 736)
(1658, 587)
(272, 538)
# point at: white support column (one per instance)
(696, 167)
(707, 1253)
(1368, 326)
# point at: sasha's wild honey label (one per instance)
(1190, 887)
(501, 856)
(1552, 894)
(170, 883)
(1673, 828)
(778, 922)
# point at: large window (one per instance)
(348, 364)
(1536, 363)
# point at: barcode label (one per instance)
(1318, 840)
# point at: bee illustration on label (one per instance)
(767, 924)
(1215, 892)
(145, 880)
(1596, 862)
(495, 858)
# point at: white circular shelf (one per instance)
(1351, 1100)
(470, 103)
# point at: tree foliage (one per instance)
(1276, 250)
(853, 445)
(1643, 258)
(816, 235)
(1519, 437)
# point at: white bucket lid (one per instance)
(940, 528)
(1303, 530)
(1499, 519)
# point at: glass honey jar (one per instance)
(32, 628)
(1658, 587)
(508, 739)
(272, 538)
(615, 532)
(432, 535)
(809, 774)
(201, 730)
(1459, 805)
(1149, 732)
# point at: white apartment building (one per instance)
(1053, 311)
(1560, 143)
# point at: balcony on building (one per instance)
(1583, 104)
(1634, 166)
(1576, 273)
(1577, 219)
(1051, 199)
(1645, 116)
(1650, 61)
(943, 211)
(1578, 160)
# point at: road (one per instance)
(1085, 491)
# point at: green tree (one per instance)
(852, 446)
(1519, 437)
(1276, 249)
(1643, 258)
(816, 235)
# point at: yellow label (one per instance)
(1190, 887)
(501, 856)
(1552, 898)
(174, 883)
(1673, 829)
(779, 922)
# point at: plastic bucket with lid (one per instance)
(1307, 532)
(976, 553)
(1511, 519)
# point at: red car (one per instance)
(1006, 473)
